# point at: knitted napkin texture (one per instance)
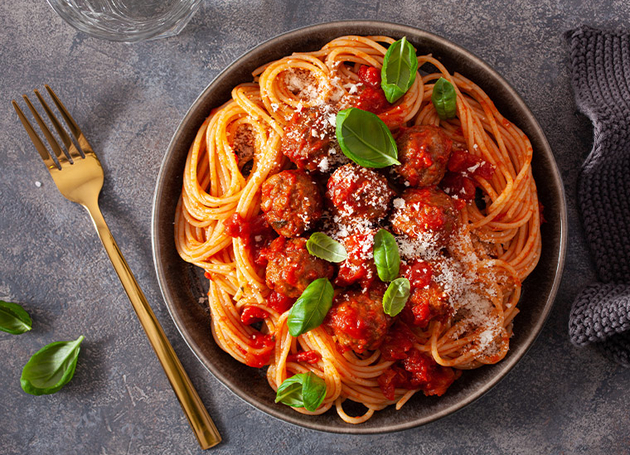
(601, 82)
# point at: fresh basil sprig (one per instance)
(14, 319)
(400, 67)
(324, 247)
(386, 256)
(365, 139)
(51, 367)
(396, 296)
(302, 391)
(310, 309)
(444, 99)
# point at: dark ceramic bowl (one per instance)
(182, 285)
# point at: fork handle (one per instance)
(198, 417)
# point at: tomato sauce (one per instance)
(541, 213)
(398, 341)
(417, 311)
(372, 97)
(260, 341)
(279, 302)
(462, 166)
(418, 272)
(252, 314)
(416, 371)
(311, 357)
(255, 233)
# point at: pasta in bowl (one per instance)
(364, 234)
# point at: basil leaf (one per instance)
(14, 319)
(51, 367)
(302, 391)
(386, 256)
(400, 67)
(396, 296)
(290, 392)
(444, 99)
(365, 139)
(313, 391)
(310, 309)
(322, 246)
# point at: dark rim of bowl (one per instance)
(509, 103)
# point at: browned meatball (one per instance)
(290, 267)
(428, 298)
(308, 140)
(425, 304)
(359, 267)
(423, 152)
(291, 202)
(358, 193)
(357, 319)
(425, 211)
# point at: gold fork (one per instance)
(79, 177)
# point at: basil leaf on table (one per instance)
(51, 367)
(365, 139)
(14, 319)
(310, 309)
(302, 391)
(324, 247)
(386, 256)
(399, 70)
(444, 99)
(396, 296)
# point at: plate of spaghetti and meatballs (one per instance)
(359, 227)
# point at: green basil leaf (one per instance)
(444, 99)
(313, 391)
(14, 319)
(396, 296)
(290, 392)
(400, 67)
(310, 309)
(51, 367)
(365, 139)
(386, 256)
(323, 247)
(302, 391)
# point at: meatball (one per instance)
(358, 193)
(308, 140)
(357, 319)
(425, 304)
(428, 300)
(425, 211)
(291, 202)
(359, 267)
(423, 152)
(290, 267)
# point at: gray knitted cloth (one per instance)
(601, 81)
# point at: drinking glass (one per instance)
(127, 20)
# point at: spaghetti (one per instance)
(465, 286)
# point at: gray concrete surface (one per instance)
(129, 99)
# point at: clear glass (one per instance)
(127, 20)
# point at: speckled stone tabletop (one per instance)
(129, 99)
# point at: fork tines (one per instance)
(72, 152)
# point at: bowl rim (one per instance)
(507, 364)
